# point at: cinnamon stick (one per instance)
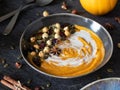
(4, 82)
(9, 79)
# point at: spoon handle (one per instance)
(2, 18)
(11, 24)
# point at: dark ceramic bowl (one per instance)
(72, 19)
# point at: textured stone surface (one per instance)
(25, 73)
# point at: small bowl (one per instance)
(112, 83)
(72, 19)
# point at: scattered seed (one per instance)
(98, 77)
(19, 57)
(29, 21)
(64, 6)
(38, 14)
(29, 81)
(109, 26)
(109, 70)
(118, 45)
(48, 85)
(117, 19)
(18, 65)
(2, 61)
(5, 65)
(42, 87)
(12, 47)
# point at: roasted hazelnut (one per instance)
(46, 50)
(57, 25)
(57, 36)
(33, 53)
(41, 54)
(57, 30)
(44, 35)
(66, 28)
(45, 13)
(49, 42)
(45, 29)
(32, 39)
(36, 46)
(67, 33)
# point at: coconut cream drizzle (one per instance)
(77, 45)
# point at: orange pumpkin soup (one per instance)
(80, 53)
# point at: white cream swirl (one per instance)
(77, 45)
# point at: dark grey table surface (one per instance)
(111, 69)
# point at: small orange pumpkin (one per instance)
(98, 7)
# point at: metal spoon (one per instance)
(37, 2)
(11, 24)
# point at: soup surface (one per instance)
(78, 54)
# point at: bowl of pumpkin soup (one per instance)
(66, 45)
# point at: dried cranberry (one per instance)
(62, 35)
(42, 45)
(31, 48)
(28, 47)
(50, 32)
(54, 41)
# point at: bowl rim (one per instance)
(97, 81)
(62, 77)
